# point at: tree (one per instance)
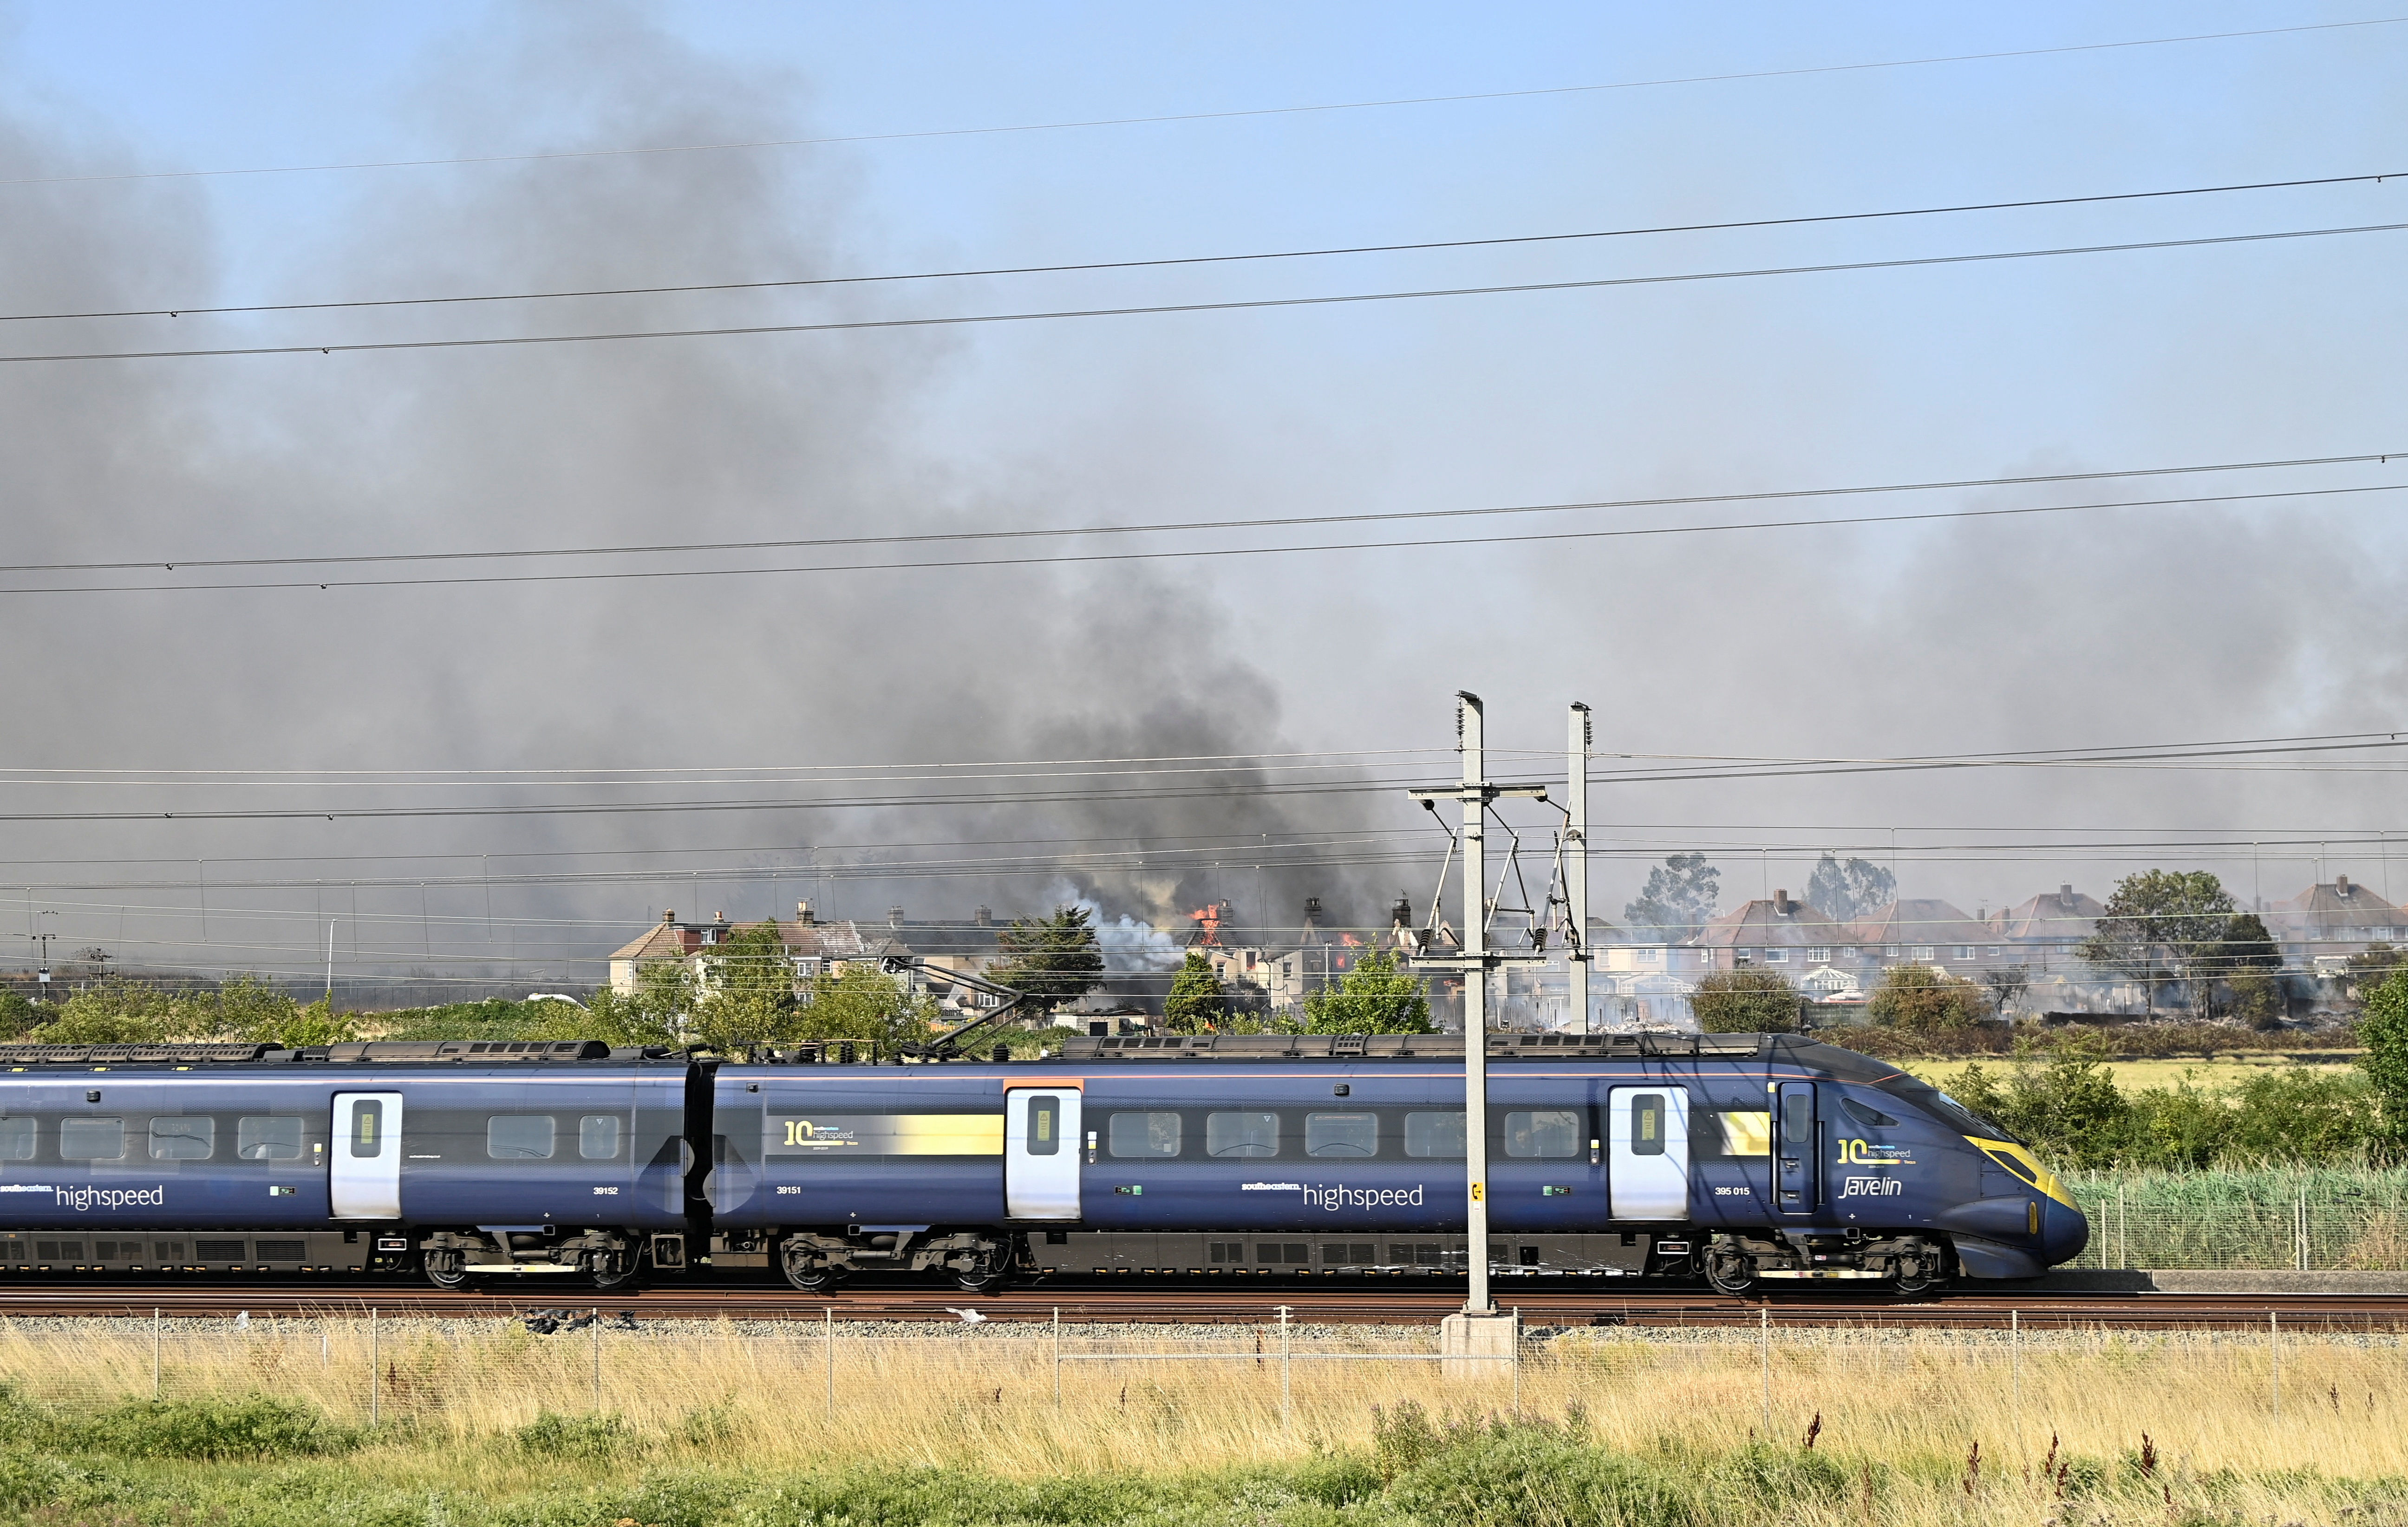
(1921, 1000)
(1748, 1000)
(2006, 984)
(865, 1003)
(2165, 925)
(1196, 1001)
(1055, 960)
(16, 1015)
(1677, 898)
(1374, 998)
(2384, 1031)
(1841, 890)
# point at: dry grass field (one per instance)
(1864, 1425)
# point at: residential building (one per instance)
(1781, 933)
(2046, 930)
(814, 948)
(2329, 923)
(1925, 931)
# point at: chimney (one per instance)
(718, 917)
(1781, 903)
(983, 917)
(895, 917)
(1401, 915)
(2341, 885)
(2064, 897)
(669, 918)
(803, 914)
(1313, 911)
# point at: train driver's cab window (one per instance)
(1439, 1134)
(185, 1139)
(519, 1136)
(1356, 1135)
(1796, 1117)
(1647, 1124)
(1144, 1134)
(1241, 1135)
(268, 1137)
(18, 1138)
(1867, 1117)
(1544, 1133)
(597, 1136)
(91, 1139)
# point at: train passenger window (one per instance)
(597, 1136)
(1342, 1134)
(17, 1138)
(186, 1139)
(1547, 1132)
(1434, 1135)
(1647, 1124)
(1869, 1117)
(368, 1127)
(1796, 1117)
(91, 1139)
(1746, 1132)
(1241, 1135)
(1145, 1135)
(1044, 1126)
(519, 1137)
(268, 1137)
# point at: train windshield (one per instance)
(1931, 1100)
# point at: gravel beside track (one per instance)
(1340, 1304)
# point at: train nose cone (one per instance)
(2063, 1231)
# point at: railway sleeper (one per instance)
(1738, 1263)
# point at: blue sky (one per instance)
(2107, 628)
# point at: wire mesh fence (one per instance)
(2308, 1220)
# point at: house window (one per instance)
(1650, 957)
(1818, 957)
(1994, 952)
(1776, 957)
(1926, 952)
(1964, 951)
(1889, 951)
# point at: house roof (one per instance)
(2336, 910)
(1782, 922)
(2060, 916)
(667, 940)
(1920, 920)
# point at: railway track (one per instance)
(1165, 1304)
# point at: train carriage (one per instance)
(1741, 1158)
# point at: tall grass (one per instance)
(2324, 1218)
(725, 1424)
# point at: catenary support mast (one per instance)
(1576, 950)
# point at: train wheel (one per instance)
(616, 1272)
(809, 1273)
(1730, 1273)
(447, 1273)
(985, 1275)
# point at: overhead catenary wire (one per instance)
(1160, 309)
(2375, 458)
(1226, 115)
(1088, 267)
(1184, 553)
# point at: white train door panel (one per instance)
(365, 1177)
(1647, 1173)
(1040, 1152)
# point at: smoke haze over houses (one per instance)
(2188, 623)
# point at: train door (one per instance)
(1647, 1176)
(364, 1178)
(1040, 1152)
(1796, 1156)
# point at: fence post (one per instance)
(2016, 1357)
(1286, 1367)
(2123, 1231)
(1057, 1357)
(597, 1313)
(155, 1351)
(1764, 1350)
(374, 1381)
(2274, 1351)
(829, 1343)
(1517, 1362)
(2300, 1233)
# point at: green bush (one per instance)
(1534, 1475)
(1749, 999)
(555, 1435)
(254, 1427)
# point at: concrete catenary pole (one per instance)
(1576, 864)
(1469, 728)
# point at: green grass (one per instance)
(2355, 1218)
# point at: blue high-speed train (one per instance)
(1742, 1159)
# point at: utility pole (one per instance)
(1475, 962)
(1576, 949)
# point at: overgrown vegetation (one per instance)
(1372, 997)
(1749, 999)
(118, 1012)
